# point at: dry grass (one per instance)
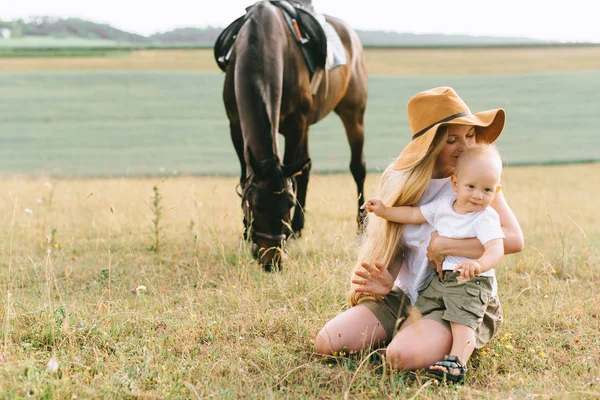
(405, 62)
(142, 60)
(211, 324)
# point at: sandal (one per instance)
(455, 371)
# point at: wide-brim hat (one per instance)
(429, 110)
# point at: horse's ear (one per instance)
(296, 168)
(255, 165)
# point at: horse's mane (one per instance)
(271, 169)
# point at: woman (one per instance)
(394, 259)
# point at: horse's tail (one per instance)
(259, 78)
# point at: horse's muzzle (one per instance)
(269, 259)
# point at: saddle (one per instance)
(303, 25)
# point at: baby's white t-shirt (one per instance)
(483, 225)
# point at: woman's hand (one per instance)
(433, 253)
(373, 279)
(375, 206)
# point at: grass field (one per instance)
(205, 322)
(88, 310)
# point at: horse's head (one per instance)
(267, 202)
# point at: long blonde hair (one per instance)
(382, 240)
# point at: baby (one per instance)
(462, 292)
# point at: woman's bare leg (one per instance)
(355, 329)
(419, 344)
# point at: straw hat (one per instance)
(429, 110)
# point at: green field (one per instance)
(149, 123)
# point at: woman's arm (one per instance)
(440, 246)
(513, 235)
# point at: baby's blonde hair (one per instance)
(488, 153)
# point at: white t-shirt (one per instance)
(483, 225)
(415, 266)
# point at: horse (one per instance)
(270, 89)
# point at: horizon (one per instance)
(34, 18)
(514, 18)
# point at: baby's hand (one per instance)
(374, 206)
(468, 269)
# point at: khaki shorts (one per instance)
(395, 307)
(462, 303)
(392, 311)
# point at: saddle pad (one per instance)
(336, 53)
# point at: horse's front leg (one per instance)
(238, 143)
(296, 150)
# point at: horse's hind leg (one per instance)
(352, 116)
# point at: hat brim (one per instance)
(491, 123)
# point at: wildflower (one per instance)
(48, 185)
(29, 211)
(52, 365)
(554, 271)
(508, 346)
(140, 289)
(39, 201)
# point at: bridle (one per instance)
(249, 186)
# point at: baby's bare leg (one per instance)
(463, 344)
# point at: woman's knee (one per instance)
(399, 357)
(323, 343)
(419, 345)
(354, 330)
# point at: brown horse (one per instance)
(267, 90)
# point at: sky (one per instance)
(574, 20)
